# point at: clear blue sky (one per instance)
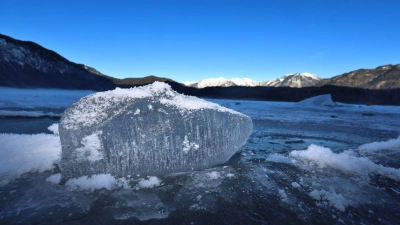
(190, 40)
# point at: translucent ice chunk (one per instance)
(147, 130)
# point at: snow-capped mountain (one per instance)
(297, 80)
(290, 80)
(222, 82)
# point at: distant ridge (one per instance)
(25, 64)
(382, 77)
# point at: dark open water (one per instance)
(26, 125)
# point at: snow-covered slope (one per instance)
(222, 82)
(293, 80)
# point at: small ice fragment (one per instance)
(54, 179)
(315, 195)
(295, 185)
(283, 195)
(214, 175)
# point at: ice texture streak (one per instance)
(149, 130)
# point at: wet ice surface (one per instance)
(265, 183)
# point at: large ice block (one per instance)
(149, 130)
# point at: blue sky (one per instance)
(190, 40)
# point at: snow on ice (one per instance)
(96, 182)
(346, 161)
(151, 182)
(376, 146)
(54, 179)
(339, 191)
(25, 153)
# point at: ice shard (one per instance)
(149, 130)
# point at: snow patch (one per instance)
(151, 182)
(334, 199)
(21, 153)
(54, 128)
(383, 145)
(346, 161)
(96, 182)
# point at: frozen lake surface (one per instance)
(303, 164)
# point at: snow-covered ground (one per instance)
(305, 163)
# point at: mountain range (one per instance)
(297, 80)
(382, 77)
(25, 64)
